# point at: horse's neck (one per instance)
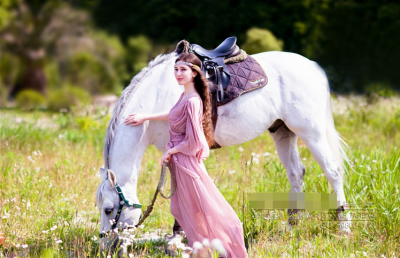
(157, 93)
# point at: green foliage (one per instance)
(28, 99)
(138, 51)
(67, 97)
(50, 175)
(261, 40)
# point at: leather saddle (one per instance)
(213, 63)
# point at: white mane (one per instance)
(125, 98)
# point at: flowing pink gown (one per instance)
(197, 205)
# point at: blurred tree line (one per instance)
(78, 48)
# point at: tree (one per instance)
(33, 38)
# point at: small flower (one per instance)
(24, 246)
(206, 242)
(232, 171)
(197, 246)
(304, 158)
(17, 245)
(94, 238)
(45, 231)
(108, 256)
(369, 168)
(58, 241)
(374, 161)
(35, 153)
(84, 201)
(116, 230)
(217, 245)
(130, 255)
(50, 185)
(240, 149)
(364, 253)
(383, 256)
(361, 166)
(253, 154)
(180, 246)
(266, 154)
(141, 226)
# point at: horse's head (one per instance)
(116, 211)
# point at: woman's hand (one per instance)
(135, 119)
(167, 155)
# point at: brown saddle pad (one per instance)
(246, 76)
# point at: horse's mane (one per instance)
(125, 98)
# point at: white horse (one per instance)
(297, 93)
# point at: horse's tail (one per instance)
(338, 146)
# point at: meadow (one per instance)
(50, 172)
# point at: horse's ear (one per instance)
(182, 47)
(112, 179)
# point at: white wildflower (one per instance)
(361, 166)
(197, 246)
(116, 230)
(84, 201)
(253, 154)
(206, 242)
(369, 168)
(217, 245)
(240, 149)
(50, 185)
(17, 245)
(374, 161)
(256, 160)
(130, 255)
(35, 153)
(141, 226)
(18, 208)
(24, 246)
(364, 253)
(232, 171)
(266, 154)
(304, 158)
(58, 241)
(30, 158)
(37, 169)
(45, 231)
(383, 256)
(180, 246)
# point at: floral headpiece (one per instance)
(187, 63)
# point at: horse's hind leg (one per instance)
(318, 145)
(286, 147)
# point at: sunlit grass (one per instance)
(50, 172)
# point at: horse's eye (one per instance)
(108, 210)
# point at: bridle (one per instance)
(123, 201)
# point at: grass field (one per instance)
(50, 172)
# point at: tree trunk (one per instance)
(34, 79)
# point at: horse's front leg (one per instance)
(286, 147)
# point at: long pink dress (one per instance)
(197, 205)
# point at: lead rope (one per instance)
(159, 189)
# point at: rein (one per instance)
(123, 201)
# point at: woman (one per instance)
(197, 205)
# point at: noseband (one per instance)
(122, 202)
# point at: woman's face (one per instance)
(184, 74)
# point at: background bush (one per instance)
(67, 97)
(28, 99)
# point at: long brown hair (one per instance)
(200, 84)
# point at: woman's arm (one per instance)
(138, 119)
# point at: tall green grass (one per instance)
(50, 171)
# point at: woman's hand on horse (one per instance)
(135, 119)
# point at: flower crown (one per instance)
(187, 63)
